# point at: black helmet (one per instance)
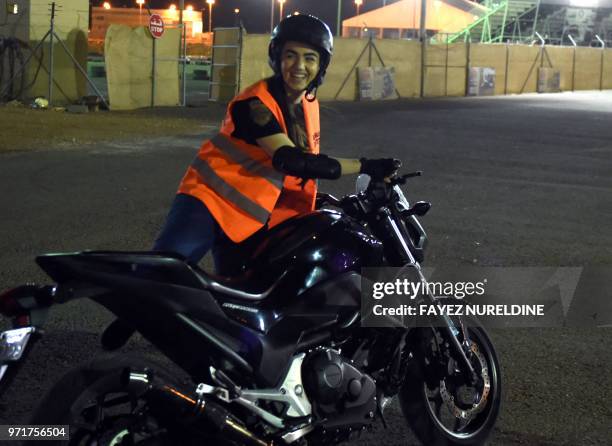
(307, 29)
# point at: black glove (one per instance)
(379, 168)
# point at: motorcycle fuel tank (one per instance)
(309, 249)
(308, 262)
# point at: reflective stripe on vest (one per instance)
(273, 176)
(216, 183)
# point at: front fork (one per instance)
(451, 332)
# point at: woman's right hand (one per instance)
(380, 168)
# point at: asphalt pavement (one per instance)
(514, 181)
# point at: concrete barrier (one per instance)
(493, 56)
(523, 63)
(607, 70)
(588, 68)
(516, 66)
(129, 64)
(562, 59)
(445, 70)
(253, 60)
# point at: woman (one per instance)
(259, 170)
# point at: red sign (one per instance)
(156, 26)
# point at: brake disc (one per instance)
(476, 406)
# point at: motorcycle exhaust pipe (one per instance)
(172, 400)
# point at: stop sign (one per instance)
(156, 26)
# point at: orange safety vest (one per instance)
(237, 182)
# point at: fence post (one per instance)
(51, 35)
(603, 50)
(423, 38)
(153, 74)
(573, 62)
(446, 71)
(507, 69)
(601, 71)
(468, 62)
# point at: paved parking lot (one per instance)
(196, 83)
(514, 181)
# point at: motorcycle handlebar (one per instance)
(402, 178)
(377, 190)
(325, 199)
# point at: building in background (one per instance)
(102, 18)
(401, 20)
(559, 22)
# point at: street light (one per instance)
(358, 4)
(106, 5)
(237, 16)
(140, 3)
(210, 5)
(281, 3)
(172, 12)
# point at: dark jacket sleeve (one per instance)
(293, 161)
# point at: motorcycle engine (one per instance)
(338, 391)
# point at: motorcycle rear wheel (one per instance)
(100, 410)
(435, 413)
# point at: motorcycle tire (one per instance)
(436, 424)
(83, 386)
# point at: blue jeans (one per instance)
(191, 231)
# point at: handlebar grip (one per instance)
(323, 199)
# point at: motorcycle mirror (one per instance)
(420, 208)
(362, 182)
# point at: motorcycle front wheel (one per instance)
(447, 410)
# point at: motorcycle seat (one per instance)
(165, 267)
(245, 286)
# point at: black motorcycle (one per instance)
(276, 354)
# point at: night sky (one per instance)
(255, 14)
